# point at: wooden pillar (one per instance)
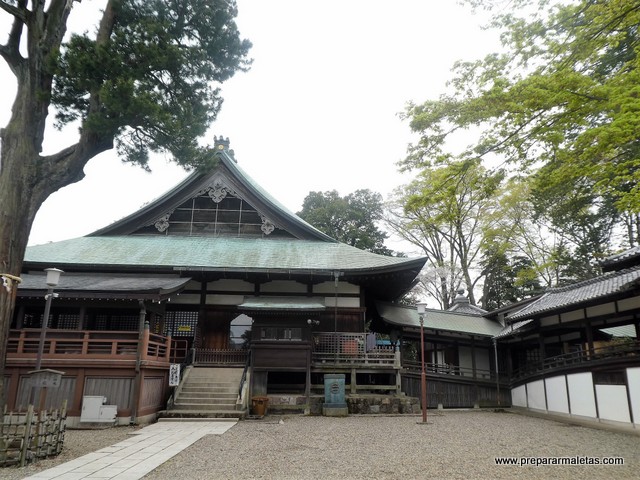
(20, 318)
(79, 390)
(81, 317)
(476, 403)
(167, 354)
(354, 384)
(434, 356)
(543, 353)
(589, 333)
(473, 357)
(307, 388)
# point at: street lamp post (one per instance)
(495, 351)
(423, 376)
(53, 277)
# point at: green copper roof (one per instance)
(213, 253)
(438, 320)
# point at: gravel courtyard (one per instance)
(454, 445)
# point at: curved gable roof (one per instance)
(227, 173)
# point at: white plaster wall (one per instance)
(330, 287)
(557, 400)
(581, 394)
(224, 299)
(283, 286)
(535, 395)
(519, 396)
(633, 378)
(231, 285)
(613, 403)
(342, 302)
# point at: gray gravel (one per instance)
(454, 445)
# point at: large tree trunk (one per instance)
(17, 211)
(26, 177)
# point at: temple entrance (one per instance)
(225, 338)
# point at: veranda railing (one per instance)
(595, 355)
(331, 348)
(59, 342)
(448, 369)
(210, 356)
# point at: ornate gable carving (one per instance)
(229, 214)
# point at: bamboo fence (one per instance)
(27, 437)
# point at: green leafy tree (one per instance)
(145, 81)
(519, 230)
(563, 95)
(351, 219)
(506, 279)
(576, 212)
(445, 212)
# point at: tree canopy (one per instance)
(445, 212)
(557, 111)
(351, 219)
(562, 95)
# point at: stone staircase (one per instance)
(207, 393)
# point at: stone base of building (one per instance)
(359, 404)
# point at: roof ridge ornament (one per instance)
(222, 144)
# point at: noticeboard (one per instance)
(174, 375)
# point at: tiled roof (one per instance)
(213, 253)
(83, 285)
(592, 289)
(621, 257)
(466, 308)
(513, 328)
(461, 304)
(438, 320)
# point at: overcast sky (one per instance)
(318, 110)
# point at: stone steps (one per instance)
(207, 393)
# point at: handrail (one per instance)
(449, 369)
(244, 374)
(579, 357)
(63, 343)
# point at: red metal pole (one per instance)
(424, 374)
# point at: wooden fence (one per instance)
(25, 438)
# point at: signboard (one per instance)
(184, 328)
(46, 378)
(174, 375)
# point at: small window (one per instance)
(609, 378)
(281, 333)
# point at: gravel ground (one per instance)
(453, 445)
